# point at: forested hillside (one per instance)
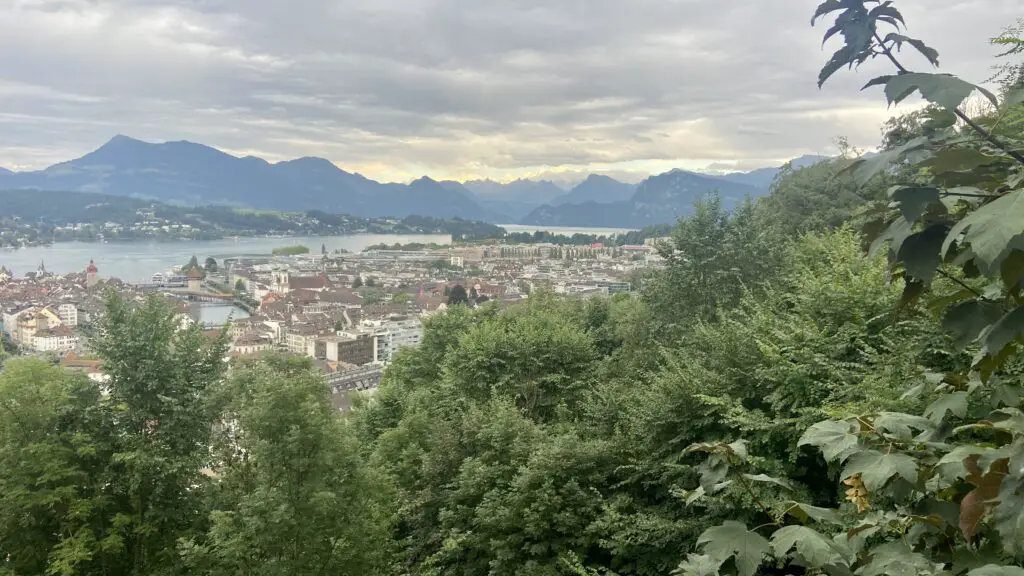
(825, 381)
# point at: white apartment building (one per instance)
(68, 314)
(394, 334)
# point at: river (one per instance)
(136, 262)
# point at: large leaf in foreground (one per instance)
(812, 548)
(993, 231)
(876, 468)
(733, 539)
(835, 438)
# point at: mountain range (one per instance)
(195, 174)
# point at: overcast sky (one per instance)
(396, 89)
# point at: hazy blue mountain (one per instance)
(497, 211)
(597, 188)
(185, 172)
(512, 200)
(659, 199)
(522, 190)
(5, 170)
(763, 177)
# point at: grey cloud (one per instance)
(396, 88)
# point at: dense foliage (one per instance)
(825, 381)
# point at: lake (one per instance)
(565, 230)
(136, 262)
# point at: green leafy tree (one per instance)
(210, 266)
(357, 283)
(159, 376)
(55, 445)
(711, 258)
(295, 496)
(936, 491)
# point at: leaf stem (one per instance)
(962, 284)
(965, 195)
(750, 491)
(959, 114)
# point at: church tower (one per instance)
(91, 278)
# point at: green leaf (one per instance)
(876, 468)
(886, 10)
(896, 233)
(843, 57)
(826, 7)
(733, 539)
(835, 438)
(712, 471)
(812, 548)
(803, 512)
(994, 570)
(896, 559)
(1005, 395)
(1014, 423)
(901, 425)
(958, 160)
(967, 320)
(738, 448)
(956, 403)
(878, 81)
(930, 53)
(992, 231)
(914, 200)
(921, 253)
(1005, 331)
(865, 169)
(765, 478)
(698, 565)
(945, 90)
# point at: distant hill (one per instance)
(513, 200)
(189, 173)
(5, 170)
(596, 188)
(763, 177)
(659, 199)
(528, 191)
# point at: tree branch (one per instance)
(959, 114)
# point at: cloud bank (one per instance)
(453, 88)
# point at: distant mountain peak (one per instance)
(120, 141)
(313, 162)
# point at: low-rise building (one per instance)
(57, 339)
